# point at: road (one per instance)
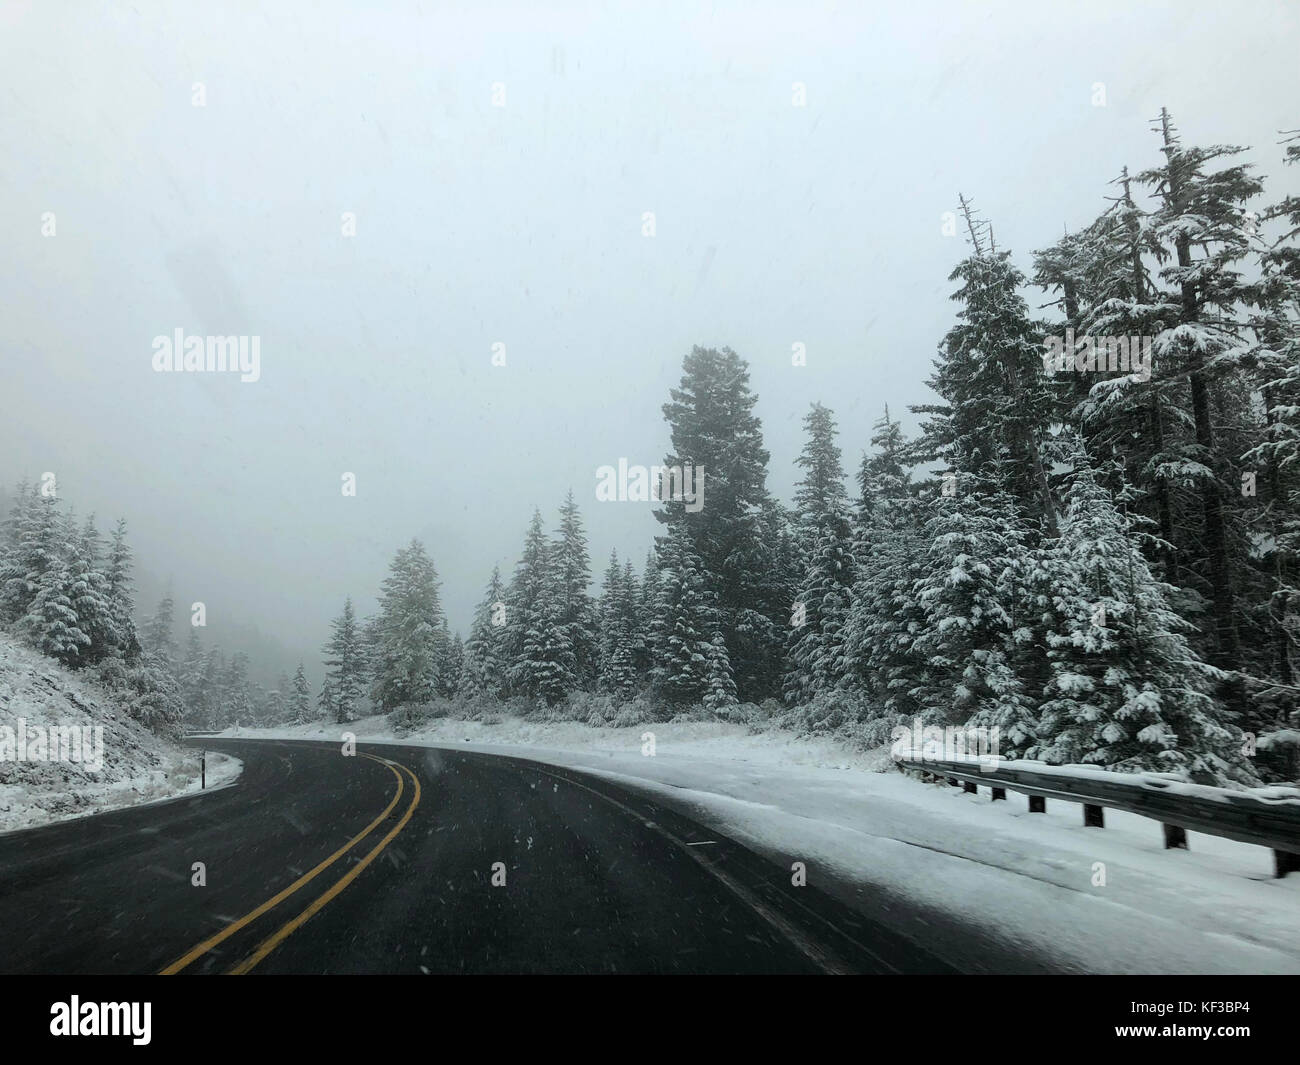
(392, 861)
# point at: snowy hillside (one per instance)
(37, 785)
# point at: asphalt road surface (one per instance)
(392, 861)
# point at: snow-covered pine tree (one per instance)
(647, 604)
(10, 534)
(327, 704)
(882, 661)
(121, 592)
(91, 596)
(484, 672)
(714, 430)
(814, 644)
(453, 666)
(629, 640)
(276, 705)
(36, 527)
(884, 479)
(50, 624)
(997, 405)
(542, 662)
(345, 676)
(1109, 294)
(193, 692)
(409, 632)
(691, 663)
(620, 630)
(1199, 227)
(817, 657)
(822, 486)
(157, 636)
(608, 612)
(214, 682)
(154, 695)
(571, 563)
(1126, 691)
(300, 700)
(1276, 376)
(237, 689)
(974, 613)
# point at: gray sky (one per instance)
(522, 224)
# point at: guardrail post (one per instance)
(1175, 836)
(1037, 804)
(999, 793)
(1285, 862)
(1093, 816)
(969, 787)
(953, 782)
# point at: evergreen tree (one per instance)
(691, 663)
(1126, 691)
(647, 602)
(121, 592)
(997, 405)
(571, 564)
(608, 612)
(91, 597)
(36, 550)
(344, 667)
(300, 701)
(884, 480)
(327, 704)
(237, 691)
(620, 630)
(157, 636)
(409, 632)
(817, 657)
(214, 683)
(485, 668)
(193, 691)
(715, 432)
(1198, 225)
(542, 661)
(974, 614)
(50, 624)
(816, 654)
(455, 665)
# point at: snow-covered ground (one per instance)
(137, 766)
(998, 884)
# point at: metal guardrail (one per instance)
(1248, 817)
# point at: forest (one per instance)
(1096, 556)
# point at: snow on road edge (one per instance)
(1018, 886)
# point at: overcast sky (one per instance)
(522, 224)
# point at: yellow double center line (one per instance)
(279, 936)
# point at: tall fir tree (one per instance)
(300, 699)
(409, 637)
(486, 662)
(715, 432)
(997, 405)
(815, 643)
(1126, 691)
(691, 663)
(345, 676)
(571, 564)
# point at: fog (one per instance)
(184, 166)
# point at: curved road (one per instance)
(391, 861)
